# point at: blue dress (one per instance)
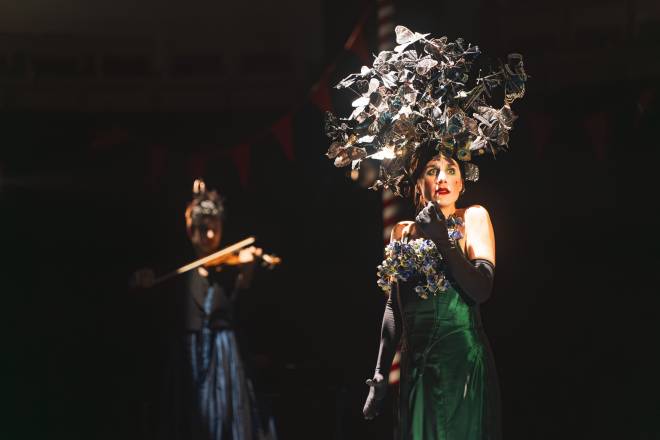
(210, 397)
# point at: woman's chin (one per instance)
(444, 201)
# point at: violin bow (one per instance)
(200, 262)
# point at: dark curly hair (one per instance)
(415, 168)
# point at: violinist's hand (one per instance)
(248, 254)
(247, 259)
(377, 392)
(142, 278)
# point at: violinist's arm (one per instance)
(142, 279)
(247, 261)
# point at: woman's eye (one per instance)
(451, 171)
(431, 172)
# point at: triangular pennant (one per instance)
(358, 45)
(646, 98)
(541, 125)
(108, 139)
(240, 155)
(283, 132)
(321, 95)
(597, 126)
(157, 165)
(197, 164)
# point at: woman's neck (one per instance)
(449, 210)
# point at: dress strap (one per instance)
(405, 233)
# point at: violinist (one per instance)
(219, 401)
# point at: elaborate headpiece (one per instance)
(417, 94)
(205, 203)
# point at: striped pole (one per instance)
(386, 35)
(386, 38)
(392, 209)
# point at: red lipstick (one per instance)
(442, 191)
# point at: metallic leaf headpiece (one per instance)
(417, 94)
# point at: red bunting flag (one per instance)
(541, 125)
(283, 132)
(646, 98)
(157, 166)
(197, 165)
(597, 126)
(240, 155)
(108, 139)
(321, 94)
(357, 44)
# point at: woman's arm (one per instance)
(389, 339)
(479, 235)
(475, 275)
(390, 334)
(247, 263)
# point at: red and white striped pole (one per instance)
(386, 34)
(392, 205)
(386, 38)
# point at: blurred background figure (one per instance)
(206, 394)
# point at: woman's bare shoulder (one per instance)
(475, 214)
(400, 228)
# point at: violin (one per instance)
(268, 261)
(235, 259)
(229, 255)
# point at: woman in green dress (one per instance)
(416, 115)
(439, 268)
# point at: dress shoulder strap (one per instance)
(405, 233)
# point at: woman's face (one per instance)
(441, 181)
(205, 236)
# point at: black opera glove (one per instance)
(433, 224)
(390, 334)
(377, 392)
(475, 278)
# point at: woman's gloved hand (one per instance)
(377, 392)
(433, 224)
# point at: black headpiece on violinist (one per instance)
(205, 203)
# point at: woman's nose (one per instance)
(442, 177)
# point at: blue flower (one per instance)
(455, 234)
(405, 260)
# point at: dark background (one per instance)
(110, 110)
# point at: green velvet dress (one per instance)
(448, 388)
